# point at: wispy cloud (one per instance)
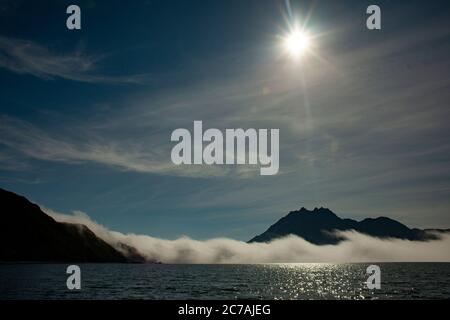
(9, 162)
(28, 57)
(125, 155)
(355, 248)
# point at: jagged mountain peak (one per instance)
(317, 226)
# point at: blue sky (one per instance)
(86, 116)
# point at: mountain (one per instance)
(316, 226)
(28, 234)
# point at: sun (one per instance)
(296, 43)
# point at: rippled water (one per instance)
(263, 281)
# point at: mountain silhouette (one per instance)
(30, 235)
(317, 226)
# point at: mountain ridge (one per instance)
(318, 225)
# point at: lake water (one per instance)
(262, 281)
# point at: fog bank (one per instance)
(356, 247)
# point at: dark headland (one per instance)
(29, 235)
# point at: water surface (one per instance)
(259, 281)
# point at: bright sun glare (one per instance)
(296, 43)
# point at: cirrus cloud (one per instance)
(28, 57)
